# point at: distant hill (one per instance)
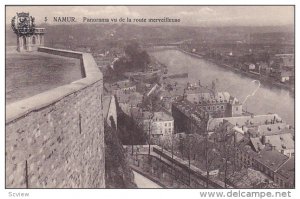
(93, 34)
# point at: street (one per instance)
(143, 182)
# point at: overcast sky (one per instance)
(189, 15)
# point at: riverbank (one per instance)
(263, 79)
(267, 99)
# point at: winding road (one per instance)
(143, 182)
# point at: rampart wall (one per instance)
(56, 139)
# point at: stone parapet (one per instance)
(56, 139)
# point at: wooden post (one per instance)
(26, 175)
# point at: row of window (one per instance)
(168, 124)
(208, 101)
(167, 131)
(214, 107)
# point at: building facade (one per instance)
(156, 124)
(217, 104)
(189, 118)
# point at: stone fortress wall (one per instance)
(56, 139)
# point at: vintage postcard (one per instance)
(193, 97)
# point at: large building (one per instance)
(248, 121)
(217, 104)
(279, 167)
(159, 124)
(283, 67)
(189, 118)
(282, 142)
(262, 142)
(129, 101)
(285, 175)
(162, 124)
(261, 129)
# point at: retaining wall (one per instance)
(56, 139)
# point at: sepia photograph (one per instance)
(150, 97)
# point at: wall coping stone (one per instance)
(25, 106)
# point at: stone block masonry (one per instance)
(56, 139)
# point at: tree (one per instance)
(211, 155)
(227, 149)
(144, 59)
(138, 58)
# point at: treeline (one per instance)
(135, 58)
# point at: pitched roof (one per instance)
(256, 143)
(244, 120)
(287, 170)
(281, 141)
(271, 158)
(133, 98)
(162, 116)
(106, 103)
(270, 129)
(191, 110)
(250, 178)
(209, 97)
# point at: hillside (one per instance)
(97, 34)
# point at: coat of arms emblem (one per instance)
(23, 24)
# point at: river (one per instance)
(267, 99)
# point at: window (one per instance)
(166, 124)
(33, 40)
(236, 108)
